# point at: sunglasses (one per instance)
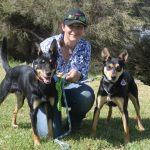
(73, 17)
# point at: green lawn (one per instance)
(109, 137)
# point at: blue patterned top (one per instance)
(79, 59)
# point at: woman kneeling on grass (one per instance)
(73, 61)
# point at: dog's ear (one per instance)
(123, 56)
(53, 47)
(36, 49)
(105, 54)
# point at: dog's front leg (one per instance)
(126, 127)
(50, 116)
(33, 115)
(109, 114)
(100, 101)
(120, 102)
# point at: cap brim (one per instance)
(70, 22)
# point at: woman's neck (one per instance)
(67, 48)
(69, 44)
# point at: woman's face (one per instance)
(73, 32)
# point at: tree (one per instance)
(109, 23)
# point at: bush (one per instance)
(109, 23)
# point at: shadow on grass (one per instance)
(25, 125)
(20, 126)
(113, 131)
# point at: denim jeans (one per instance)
(80, 98)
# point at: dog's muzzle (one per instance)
(45, 76)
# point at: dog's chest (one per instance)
(48, 90)
(119, 89)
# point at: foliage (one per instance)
(140, 64)
(109, 23)
(108, 20)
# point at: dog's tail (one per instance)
(3, 53)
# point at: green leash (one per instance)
(59, 90)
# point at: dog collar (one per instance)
(106, 80)
(108, 87)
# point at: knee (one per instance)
(80, 99)
(87, 98)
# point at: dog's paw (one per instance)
(49, 138)
(126, 142)
(140, 128)
(14, 125)
(126, 139)
(36, 140)
(92, 134)
(36, 144)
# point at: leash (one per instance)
(59, 90)
(106, 90)
(109, 95)
(60, 86)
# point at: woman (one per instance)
(73, 61)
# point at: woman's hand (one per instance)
(73, 75)
(60, 74)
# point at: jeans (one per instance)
(80, 98)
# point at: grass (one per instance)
(109, 137)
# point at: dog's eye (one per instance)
(109, 67)
(118, 68)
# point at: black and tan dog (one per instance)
(115, 88)
(35, 83)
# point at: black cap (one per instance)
(75, 16)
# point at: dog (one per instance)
(36, 83)
(116, 86)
